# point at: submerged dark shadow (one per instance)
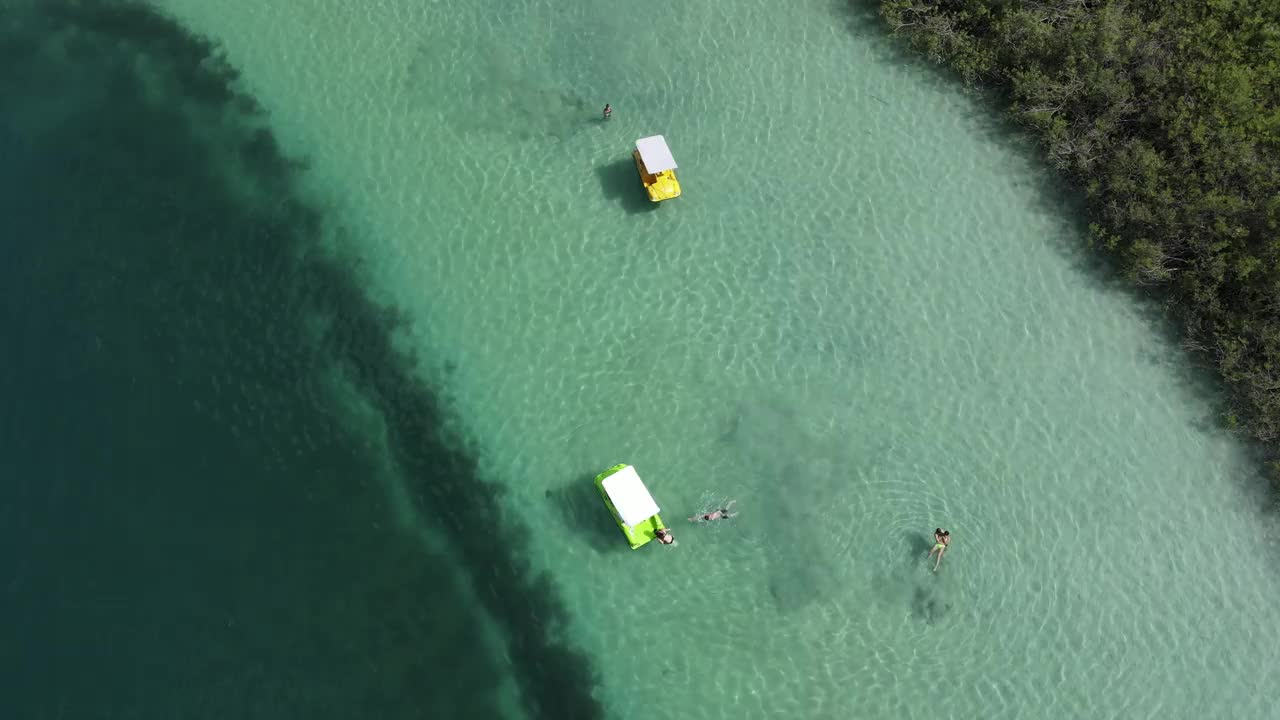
(928, 605)
(917, 544)
(173, 329)
(621, 183)
(584, 514)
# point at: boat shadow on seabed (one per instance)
(583, 513)
(621, 183)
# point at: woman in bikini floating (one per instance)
(721, 514)
(941, 540)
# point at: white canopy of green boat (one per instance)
(655, 154)
(630, 497)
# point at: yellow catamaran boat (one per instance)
(656, 168)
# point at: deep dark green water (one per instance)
(189, 525)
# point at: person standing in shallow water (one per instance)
(608, 111)
(941, 541)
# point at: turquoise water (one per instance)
(865, 318)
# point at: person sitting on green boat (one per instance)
(941, 540)
(720, 514)
(664, 536)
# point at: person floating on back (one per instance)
(608, 111)
(941, 540)
(721, 514)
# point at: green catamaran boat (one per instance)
(632, 506)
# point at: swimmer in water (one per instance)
(941, 540)
(720, 514)
(608, 111)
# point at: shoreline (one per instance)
(1188, 237)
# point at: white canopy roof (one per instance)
(655, 154)
(630, 496)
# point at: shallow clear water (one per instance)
(865, 318)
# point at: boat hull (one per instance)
(660, 186)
